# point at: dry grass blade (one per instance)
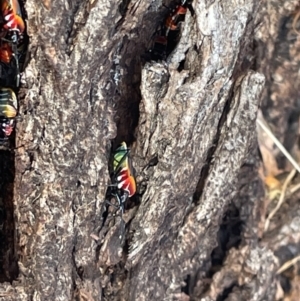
(278, 143)
(294, 25)
(288, 264)
(281, 198)
(295, 188)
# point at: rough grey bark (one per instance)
(194, 116)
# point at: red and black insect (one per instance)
(159, 49)
(167, 37)
(12, 31)
(12, 51)
(176, 16)
(123, 185)
(122, 172)
(12, 16)
(8, 112)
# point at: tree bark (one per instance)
(192, 230)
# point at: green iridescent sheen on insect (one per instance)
(8, 111)
(121, 157)
(8, 103)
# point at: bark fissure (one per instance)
(211, 151)
(78, 14)
(9, 270)
(8, 258)
(223, 296)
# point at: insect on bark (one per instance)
(12, 50)
(167, 36)
(123, 184)
(12, 30)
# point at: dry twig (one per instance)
(278, 143)
(295, 20)
(281, 198)
(288, 264)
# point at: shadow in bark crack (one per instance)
(78, 14)
(126, 73)
(226, 293)
(228, 236)
(210, 153)
(8, 257)
(186, 289)
(10, 78)
(284, 254)
(128, 61)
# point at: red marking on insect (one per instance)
(12, 15)
(122, 171)
(159, 49)
(161, 40)
(126, 181)
(5, 53)
(8, 130)
(165, 41)
(176, 16)
(123, 185)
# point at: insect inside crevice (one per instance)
(12, 41)
(13, 44)
(123, 184)
(8, 112)
(176, 16)
(168, 35)
(12, 16)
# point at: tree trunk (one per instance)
(192, 230)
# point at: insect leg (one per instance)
(121, 200)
